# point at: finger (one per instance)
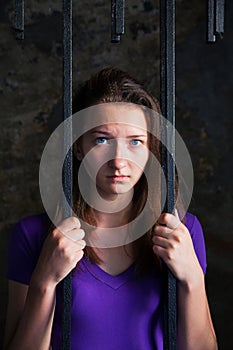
(169, 220)
(161, 230)
(69, 224)
(161, 242)
(75, 234)
(160, 251)
(81, 244)
(80, 254)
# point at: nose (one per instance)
(117, 161)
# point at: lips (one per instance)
(118, 177)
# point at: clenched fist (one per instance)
(62, 250)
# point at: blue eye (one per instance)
(135, 142)
(101, 140)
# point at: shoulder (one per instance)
(34, 222)
(192, 223)
(25, 244)
(31, 228)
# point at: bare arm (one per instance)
(29, 316)
(31, 308)
(194, 329)
(173, 243)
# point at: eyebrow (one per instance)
(105, 133)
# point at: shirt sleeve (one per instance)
(24, 248)
(197, 236)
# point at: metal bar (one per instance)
(120, 12)
(115, 38)
(211, 22)
(67, 173)
(219, 15)
(19, 19)
(167, 72)
(117, 20)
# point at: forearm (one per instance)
(194, 329)
(35, 326)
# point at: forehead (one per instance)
(117, 115)
(119, 130)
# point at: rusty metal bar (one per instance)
(19, 19)
(67, 167)
(167, 81)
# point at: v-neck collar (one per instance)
(114, 282)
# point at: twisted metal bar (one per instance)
(19, 19)
(67, 168)
(167, 80)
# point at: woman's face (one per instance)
(115, 153)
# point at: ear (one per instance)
(78, 151)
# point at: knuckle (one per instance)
(155, 248)
(62, 248)
(166, 216)
(81, 233)
(55, 232)
(178, 238)
(75, 221)
(169, 256)
(72, 219)
(61, 245)
(172, 246)
(81, 243)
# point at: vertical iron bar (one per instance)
(67, 168)
(117, 20)
(115, 38)
(120, 7)
(19, 19)
(215, 19)
(211, 21)
(167, 72)
(219, 14)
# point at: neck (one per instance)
(115, 260)
(114, 219)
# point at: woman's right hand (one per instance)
(62, 250)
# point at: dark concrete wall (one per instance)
(30, 93)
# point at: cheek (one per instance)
(141, 160)
(94, 161)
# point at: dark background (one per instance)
(30, 94)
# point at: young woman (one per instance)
(118, 288)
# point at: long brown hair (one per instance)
(114, 85)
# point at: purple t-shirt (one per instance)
(108, 312)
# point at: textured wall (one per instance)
(30, 94)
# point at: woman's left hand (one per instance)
(172, 242)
